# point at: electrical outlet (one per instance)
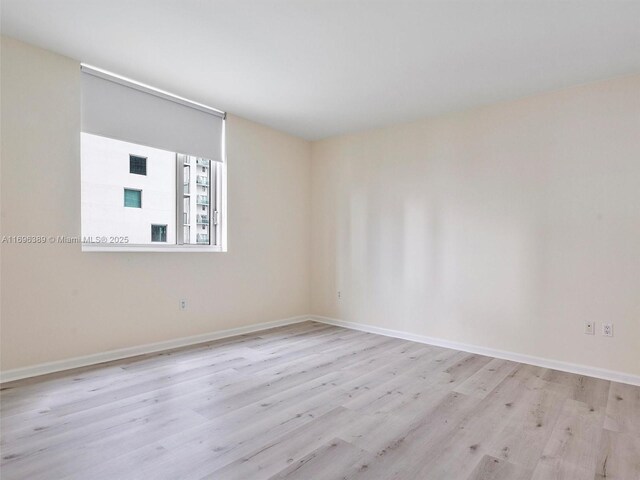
(183, 304)
(589, 328)
(339, 294)
(607, 329)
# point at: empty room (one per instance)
(320, 240)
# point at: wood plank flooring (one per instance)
(311, 401)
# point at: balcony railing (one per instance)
(202, 200)
(202, 238)
(204, 219)
(200, 180)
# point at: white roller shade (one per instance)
(116, 108)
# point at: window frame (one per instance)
(216, 177)
(220, 244)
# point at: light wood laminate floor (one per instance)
(311, 401)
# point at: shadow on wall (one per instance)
(413, 259)
(506, 227)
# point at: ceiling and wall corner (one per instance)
(315, 68)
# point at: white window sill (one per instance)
(153, 248)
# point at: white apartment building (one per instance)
(128, 190)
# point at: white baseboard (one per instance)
(67, 364)
(93, 359)
(490, 352)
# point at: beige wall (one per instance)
(504, 227)
(59, 303)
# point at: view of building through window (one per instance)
(196, 199)
(168, 197)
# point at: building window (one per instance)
(158, 233)
(132, 198)
(137, 165)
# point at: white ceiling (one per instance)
(318, 68)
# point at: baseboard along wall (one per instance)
(586, 370)
(76, 362)
(102, 357)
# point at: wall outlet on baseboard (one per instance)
(183, 304)
(607, 329)
(589, 328)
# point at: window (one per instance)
(158, 233)
(137, 165)
(136, 139)
(132, 198)
(180, 209)
(198, 196)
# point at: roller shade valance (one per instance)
(117, 108)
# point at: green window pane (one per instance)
(132, 198)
